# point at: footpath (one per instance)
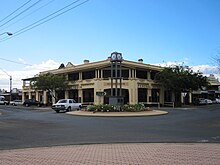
(107, 154)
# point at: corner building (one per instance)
(86, 80)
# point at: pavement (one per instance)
(107, 154)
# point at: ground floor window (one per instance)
(142, 95)
(155, 95)
(73, 94)
(88, 95)
(60, 95)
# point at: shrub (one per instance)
(133, 107)
(101, 108)
(110, 108)
(91, 107)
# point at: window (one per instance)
(106, 73)
(142, 95)
(124, 73)
(88, 75)
(88, 95)
(62, 101)
(73, 76)
(141, 74)
(153, 74)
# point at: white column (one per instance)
(148, 95)
(80, 93)
(37, 96)
(66, 94)
(45, 101)
(29, 95)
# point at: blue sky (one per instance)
(158, 31)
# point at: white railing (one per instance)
(169, 104)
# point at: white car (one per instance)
(216, 100)
(66, 105)
(16, 102)
(208, 101)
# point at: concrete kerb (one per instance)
(118, 114)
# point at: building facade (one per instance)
(86, 81)
(91, 83)
(211, 92)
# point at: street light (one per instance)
(8, 33)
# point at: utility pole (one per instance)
(10, 82)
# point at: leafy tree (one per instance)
(181, 79)
(49, 82)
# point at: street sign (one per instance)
(100, 93)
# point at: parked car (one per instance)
(66, 105)
(216, 101)
(208, 101)
(3, 101)
(30, 102)
(200, 101)
(16, 102)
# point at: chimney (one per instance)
(86, 61)
(140, 60)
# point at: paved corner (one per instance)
(141, 154)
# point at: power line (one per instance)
(14, 62)
(28, 14)
(20, 13)
(33, 25)
(15, 10)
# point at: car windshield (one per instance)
(62, 101)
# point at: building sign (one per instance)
(100, 93)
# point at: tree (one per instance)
(49, 82)
(181, 79)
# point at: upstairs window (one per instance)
(141, 74)
(88, 74)
(73, 76)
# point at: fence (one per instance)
(169, 104)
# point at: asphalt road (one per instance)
(27, 127)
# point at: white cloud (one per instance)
(183, 61)
(28, 71)
(45, 65)
(207, 70)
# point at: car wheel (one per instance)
(79, 107)
(57, 111)
(26, 105)
(68, 109)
